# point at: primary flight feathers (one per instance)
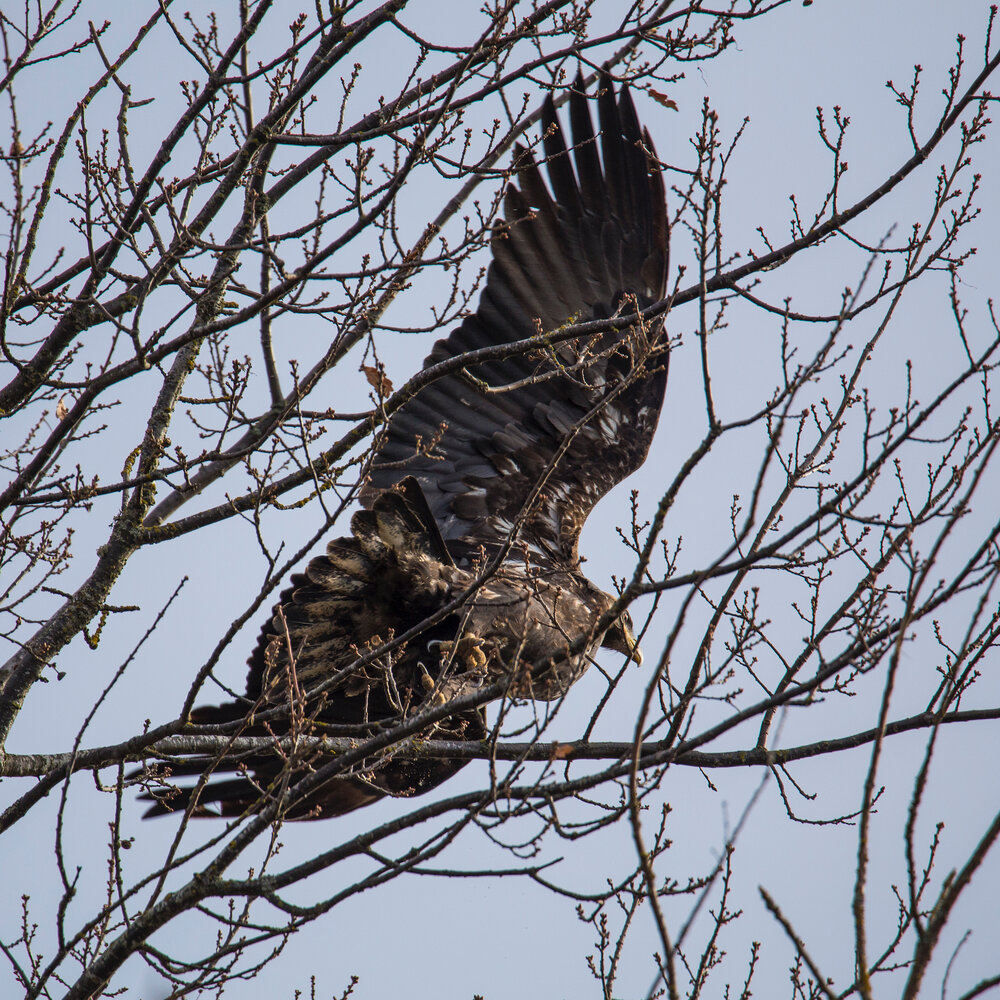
(595, 247)
(502, 458)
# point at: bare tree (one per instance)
(212, 253)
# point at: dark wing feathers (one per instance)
(363, 586)
(589, 244)
(389, 575)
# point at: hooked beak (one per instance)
(633, 646)
(621, 638)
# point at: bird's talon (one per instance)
(468, 651)
(425, 678)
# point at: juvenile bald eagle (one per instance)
(477, 493)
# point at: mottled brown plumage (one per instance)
(521, 450)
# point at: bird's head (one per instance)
(621, 637)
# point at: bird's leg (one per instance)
(470, 660)
(467, 651)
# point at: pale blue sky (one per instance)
(507, 938)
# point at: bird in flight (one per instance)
(462, 569)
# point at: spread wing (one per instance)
(391, 573)
(561, 425)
